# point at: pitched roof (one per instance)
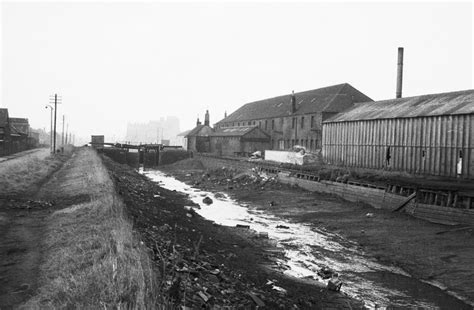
(452, 103)
(184, 133)
(236, 131)
(334, 98)
(3, 117)
(18, 120)
(196, 131)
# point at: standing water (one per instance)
(308, 249)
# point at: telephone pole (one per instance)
(62, 134)
(51, 129)
(67, 129)
(56, 99)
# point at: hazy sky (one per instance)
(119, 62)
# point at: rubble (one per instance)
(204, 265)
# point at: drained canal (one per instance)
(308, 249)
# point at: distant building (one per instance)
(19, 131)
(182, 140)
(4, 132)
(295, 119)
(430, 134)
(97, 141)
(239, 141)
(153, 131)
(198, 139)
(33, 138)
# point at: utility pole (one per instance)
(55, 114)
(62, 134)
(67, 129)
(50, 129)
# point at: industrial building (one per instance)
(428, 135)
(238, 141)
(198, 138)
(295, 119)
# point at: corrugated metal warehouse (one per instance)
(430, 134)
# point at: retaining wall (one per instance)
(377, 198)
(212, 162)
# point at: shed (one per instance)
(198, 138)
(239, 141)
(429, 134)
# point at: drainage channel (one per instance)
(308, 249)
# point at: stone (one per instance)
(207, 200)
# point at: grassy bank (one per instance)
(91, 258)
(23, 174)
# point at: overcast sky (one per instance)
(119, 62)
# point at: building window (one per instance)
(273, 124)
(293, 122)
(249, 123)
(266, 124)
(281, 144)
(302, 122)
(259, 124)
(281, 122)
(311, 144)
(312, 121)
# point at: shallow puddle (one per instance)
(308, 249)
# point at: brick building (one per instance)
(4, 132)
(240, 141)
(295, 119)
(198, 138)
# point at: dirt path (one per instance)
(22, 216)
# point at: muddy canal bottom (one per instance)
(308, 249)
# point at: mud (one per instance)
(246, 263)
(394, 240)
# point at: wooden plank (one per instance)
(405, 202)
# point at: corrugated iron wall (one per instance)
(422, 145)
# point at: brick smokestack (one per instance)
(206, 118)
(293, 102)
(399, 73)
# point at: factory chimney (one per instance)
(198, 122)
(206, 118)
(293, 102)
(399, 73)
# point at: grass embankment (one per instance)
(23, 175)
(91, 257)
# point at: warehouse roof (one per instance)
(452, 103)
(238, 132)
(199, 130)
(334, 98)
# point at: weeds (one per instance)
(91, 257)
